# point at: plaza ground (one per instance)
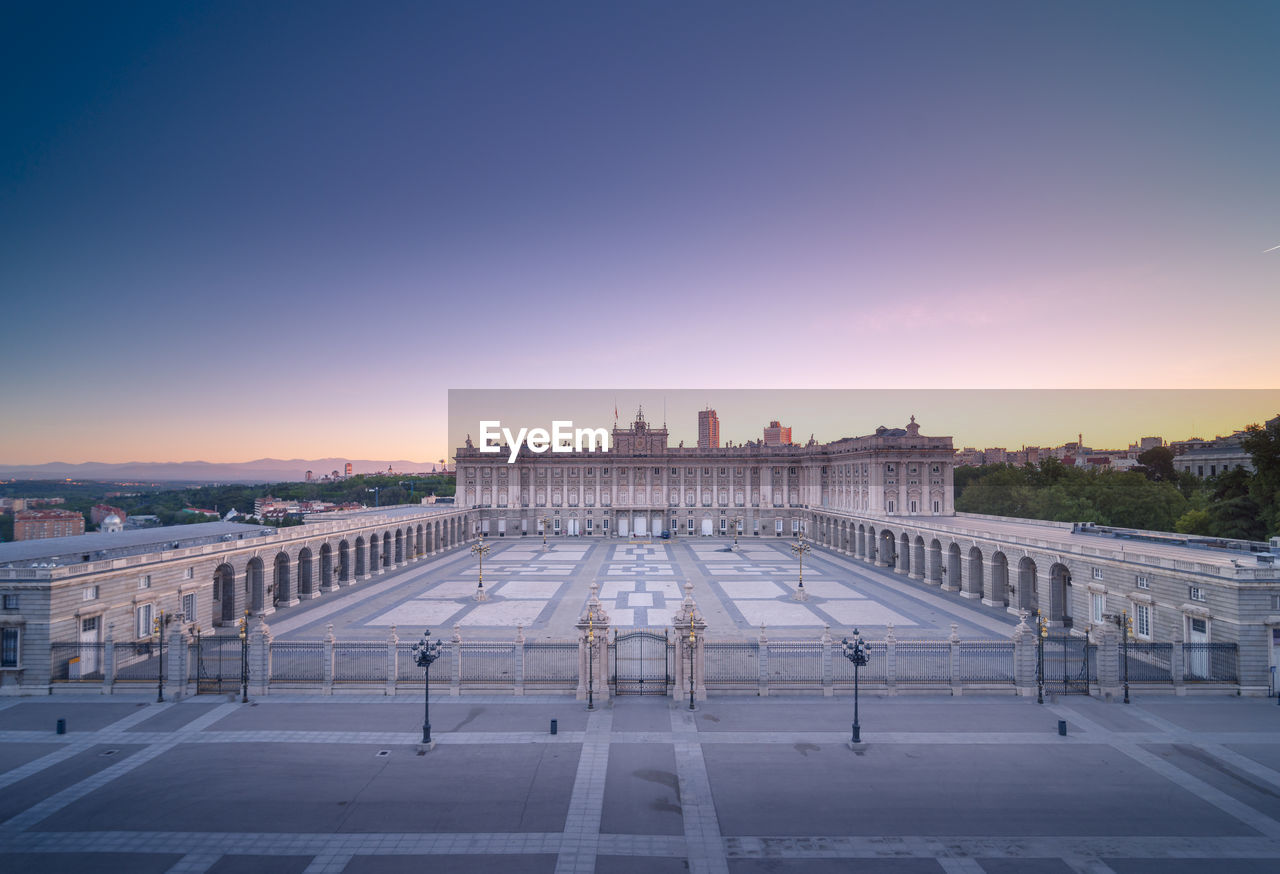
(742, 784)
(544, 591)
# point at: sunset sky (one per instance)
(238, 230)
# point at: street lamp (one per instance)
(480, 550)
(855, 651)
(799, 548)
(376, 495)
(693, 638)
(1125, 624)
(1042, 631)
(591, 658)
(545, 523)
(424, 653)
(157, 627)
(737, 526)
(244, 658)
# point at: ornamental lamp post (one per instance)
(693, 637)
(591, 659)
(244, 658)
(856, 652)
(1042, 631)
(737, 527)
(157, 627)
(545, 523)
(480, 550)
(424, 653)
(1125, 623)
(799, 548)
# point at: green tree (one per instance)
(1157, 463)
(1194, 522)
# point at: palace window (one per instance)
(1097, 573)
(1099, 607)
(1195, 593)
(1142, 620)
(143, 625)
(777, 526)
(10, 647)
(188, 573)
(89, 594)
(144, 581)
(189, 607)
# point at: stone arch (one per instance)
(305, 580)
(861, 544)
(420, 544)
(973, 578)
(224, 589)
(935, 562)
(887, 549)
(362, 558)
(399, 541)
(1026, 588)
(375, 563)
(1059, 594)
(386, 548)
(953, 573)
(998, 591)
(255, 586)
(281, 594)
(326, 567)
(344, 562)
(873, 546)
(903, 564)
(917, 558)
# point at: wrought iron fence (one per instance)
(488, 663)
(297, 662)
(551, 663)
(798, 661)
(986, 661)
(923, 661)
(1210, 662)
(76, 662)
(359, 662)
(731, 663)
(137, 661)
(1149, 663)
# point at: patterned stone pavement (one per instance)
(738, 589)
(642, 784)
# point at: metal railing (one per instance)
(923, 661)
(795, 661)
(360, 662)
(730, 663)
(298, 662)
(77, 662)
(1210, 663)
(137, 662)
(1149, 662)
(551, 663)
(488, 664)
(986, 661)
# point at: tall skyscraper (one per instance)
(708, 429)
(777, 434)
(348, 468)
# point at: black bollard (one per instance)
(554, 726)
(62, 726)
(1062, 727)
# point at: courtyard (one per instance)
(642, 784)
(738, 589)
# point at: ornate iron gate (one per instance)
(642, 662)
(215, 661)
(1069, 665)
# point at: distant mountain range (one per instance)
(263, 470)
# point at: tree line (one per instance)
(1237, 504)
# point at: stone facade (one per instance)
(210, 581)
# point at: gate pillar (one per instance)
(593, 649)
(690, 629)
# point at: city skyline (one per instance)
(238, 231)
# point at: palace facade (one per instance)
(643, 486)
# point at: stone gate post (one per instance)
(260, 659)
(688, 622)
(1024, 656)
